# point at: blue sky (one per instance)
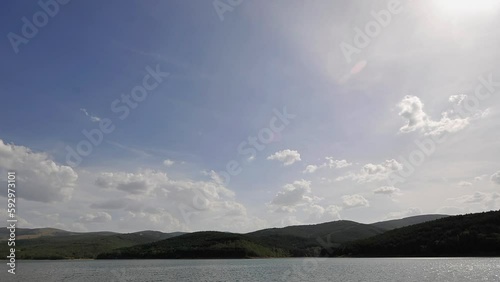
(226, 80)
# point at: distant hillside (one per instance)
(463, 235)
(81, 245)
(199, 245)
(27, 233)
(398, 223)
(292, 241)
(309, 240)
(342, 230)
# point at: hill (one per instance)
(398, 223)
(310, 240)
(199, 245)
(463, 235)
(291, 241)
(80, 245)
(27, 233)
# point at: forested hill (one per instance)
(463, 235)
(428, 235)
(291, 241)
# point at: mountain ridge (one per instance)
(290, 241)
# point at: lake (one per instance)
(295, 269)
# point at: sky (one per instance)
(242, 115)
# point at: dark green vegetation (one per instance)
(49, 243)
(292, 241)
(429, 235)
(200, 245)
(399, 223)
(464, 235)
(310, 240)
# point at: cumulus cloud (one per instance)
(298, 198)
(41, 178)
(310, 169)
(140, 183)
(150, 182)
(478, 197)
(464, 184)
(293, 195)
(373, 172)
(412, 110)
(387, 190)
(457, 99)
(487, 200)
(155, 217)
(330, 163)
(92, 117)
(184, 202)
(287, 157)
(354, 201)
(168, 163)
(481, 177)
(318, 213)
(496, 178)
(98, 217)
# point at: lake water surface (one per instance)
(314, 269)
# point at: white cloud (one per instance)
(185, 203)
(481, 177)
(98, 217)
(143, 182)
(457, 99)
(310, 169)
(387, 190)
(373, 172)
(496, 177)
(40, 179)
(318, 213)
(464, 184)
(92, 117)
(330, 162)
(412, 110)
(298, 198)
(168, 163)
(287, 157)
(293, 195)
(406, 213)
(157, 217)
(487, 200)
(354, 201)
